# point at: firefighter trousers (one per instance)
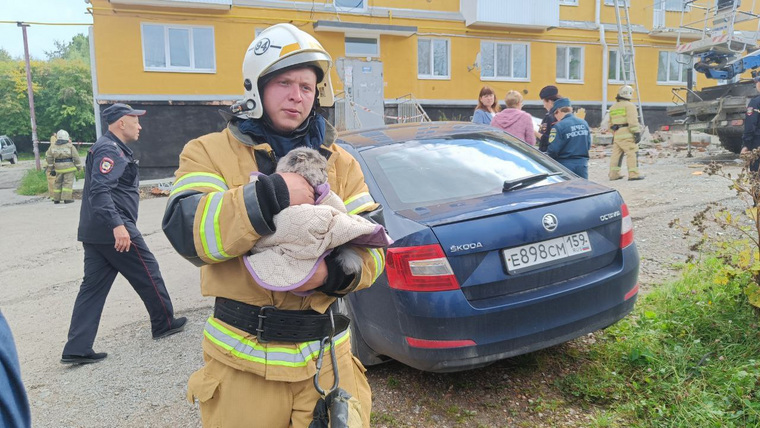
(63, 186)
(627, 147)
(232, 398)
(101, 264)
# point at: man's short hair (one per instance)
(564, 110)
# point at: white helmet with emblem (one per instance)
(62, 135)
(279, 47)
(625, 92)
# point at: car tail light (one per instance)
(626, 228)
(633, 291)
(422, 268)
(439, 344)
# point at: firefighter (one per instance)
(48, 171)
(624, 123)
(751, 136)
(257, 353)
(63, 162)
(569, 139)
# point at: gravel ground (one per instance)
(142, 383)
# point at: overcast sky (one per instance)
(41, 37)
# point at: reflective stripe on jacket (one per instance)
(213, 218)
(623, 112)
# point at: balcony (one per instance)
(194, 4)
(520, 14)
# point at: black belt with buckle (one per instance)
(65, 160)
(270, 324)
(616, 127)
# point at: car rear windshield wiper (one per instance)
(526, 181)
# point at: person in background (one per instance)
(111, 241)
(751, 135)
(569, 139)
(14, 405)
(50, 178)
(487, 107)
(514, 120)
(63, 163)
(548, 95)
(626, 134)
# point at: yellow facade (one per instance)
(119, 52)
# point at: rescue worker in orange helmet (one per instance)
(260, 360)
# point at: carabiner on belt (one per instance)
(327, 341)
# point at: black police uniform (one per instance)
(545, 129)
(110, 198)
(751, 136)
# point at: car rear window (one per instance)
(429, 172)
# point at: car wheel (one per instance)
(359, 347)
(14, 159)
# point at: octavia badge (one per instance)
(550, 222)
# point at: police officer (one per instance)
(14, 404)
(751, 136)
(260, 347)
(548, 95)
(624, 123)
(112, 244)
(63, 162)
(569, 139)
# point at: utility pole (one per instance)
(35, 140)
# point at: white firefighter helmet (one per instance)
(625, 92)
(62, 135)
(276, 48)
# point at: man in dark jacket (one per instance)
(108, 231)
(548, 95)
(751, 136)
(570, 139)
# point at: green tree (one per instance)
(78, 49)
(5, 56)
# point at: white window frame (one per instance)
(670, 82)
(618, 67)
(432, 76)
(362, 8)
(167, 54)
(362, 55)
(502, 78)
(568, 2)
(567, 65)
(612, 2)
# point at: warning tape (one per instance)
(398, 118)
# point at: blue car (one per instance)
(499, 250)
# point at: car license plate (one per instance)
(533, 256)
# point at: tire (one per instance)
(14, 159)
(359, 347)
(730, 139)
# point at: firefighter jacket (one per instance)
(62, 157)
(213, 218)
(624, 115)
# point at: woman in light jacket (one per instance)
(487, 106)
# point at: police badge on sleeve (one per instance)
(106, 165)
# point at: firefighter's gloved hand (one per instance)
(637, 137)
(52, 173)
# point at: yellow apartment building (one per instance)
(181, 59)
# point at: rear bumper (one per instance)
(520, 324)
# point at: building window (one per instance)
(504, 61)
(178, 48)
(569, 64)
(620, 2)
(362, 46)
(433, 59)
(672, 68)
(351, 5)
(569, 2)
(617, 66)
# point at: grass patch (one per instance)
(33, 183)
(688, 356)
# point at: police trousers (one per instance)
(627, 147)
(232, 398)
(101, 264)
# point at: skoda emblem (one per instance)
(550, 222)
(261, 46)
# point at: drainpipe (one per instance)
(94, 76)
(605, 53)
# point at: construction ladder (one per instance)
(626, 51)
